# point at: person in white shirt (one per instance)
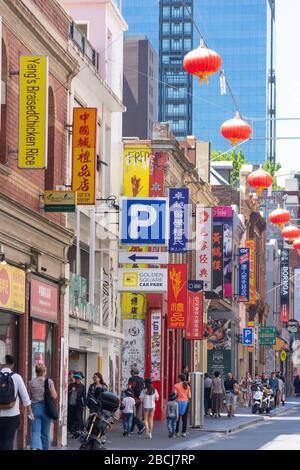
(149, 396)
(10, 414)
(128, 407)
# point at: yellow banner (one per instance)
(136, 170)
(134, 306)
(33, 115)
(84, 155)
(12, 288)
(252, 297)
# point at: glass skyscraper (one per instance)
(240, 31)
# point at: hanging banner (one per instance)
(177, 295)
(179, 219)
(12, 288)
(33, 112)
(155, 345)
(244, 274)
(217, 291)
(297, 294)
(223, 215)
(134, 306)
(194, 323)
(157, 173)
(284, 285)
(204, 246)
(85, 124)
(136, 169)
(252, 293)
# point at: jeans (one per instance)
(184, 421)
(8, 428)
(127, 421)
(40, 429)
(136, 419)
(207, 400)
(171, 423)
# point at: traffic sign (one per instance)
(144, 221)
(143, 257)
(248, 336)
(267, 335)
(142, 280)
(282, 356)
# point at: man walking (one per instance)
(136, 384)
(274, 385)
(12, 388)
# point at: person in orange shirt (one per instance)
(183, 392)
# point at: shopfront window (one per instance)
(9, 332)
(42, 346)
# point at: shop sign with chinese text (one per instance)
(84, 155)
(284, 286)
(155, 346)
(223, 215)
(204, 246)
(194, 322)
(44, 300)
(244, 274)
(12, 289)
(252, 291)
(157, 174)
(217, 262)
(179, 220)
(177, 296)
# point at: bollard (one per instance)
(197, 400)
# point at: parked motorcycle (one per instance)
(101, 418)
(257, 400)
(263, 399)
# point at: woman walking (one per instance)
(183, 392)
(246, 389)
(95, 389)
(40, 429)
(217, 394)
(148, 397)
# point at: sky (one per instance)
(288, 82)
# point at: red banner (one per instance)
(194, 323)
(157, 174)
(177, 296)
(284, 313)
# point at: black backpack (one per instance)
(7, 391)
(137, 385)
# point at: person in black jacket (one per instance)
(76, 403)
(137, 384)
(98, 386)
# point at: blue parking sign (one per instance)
(144, 221)
(248, 336)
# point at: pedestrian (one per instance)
(76, 403)
(283, 388)
(172, 414)
(149, 396)
(136, 384)
(207, 394)
(281, 397)
(217, 394)
(274, 385)
(297, 386)
(185, 371)
(71, 376)
(246, 389)
(40, 429)
(95, 389)
(264, 380)
(12, 389)
(183, 392)
(128, 407)
(232, 391)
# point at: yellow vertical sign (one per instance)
(252, 297)
(33, 112)
(136, 175)
(84, 155)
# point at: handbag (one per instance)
(50, 406)
(236, 389)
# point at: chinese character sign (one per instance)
(136, 161)
(194, 322)
(251, 244)
(244, 274)
(204, 246)
(179, 220)
(223, 215)
(284, 286)
(177, 295)
(157, 173)
(84, 155)
(217, 262)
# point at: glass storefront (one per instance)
(42, 348)
(9, 335)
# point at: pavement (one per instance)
(212, 429)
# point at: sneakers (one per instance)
(150, 435)
(142, 430)
(125, 433)
(183, 434)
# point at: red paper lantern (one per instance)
(260, 180)
(291, 233)
(202, 62)
(280, 217)
(236, 130)
(296, 245)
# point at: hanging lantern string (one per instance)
(205, 43)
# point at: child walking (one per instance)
(172, 414)
(128, 407)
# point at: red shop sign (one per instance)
(177, 296)
(194, 323)
(44, 300)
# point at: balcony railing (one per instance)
(84, 45)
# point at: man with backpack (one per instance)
(12, 388)
(136, 384)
